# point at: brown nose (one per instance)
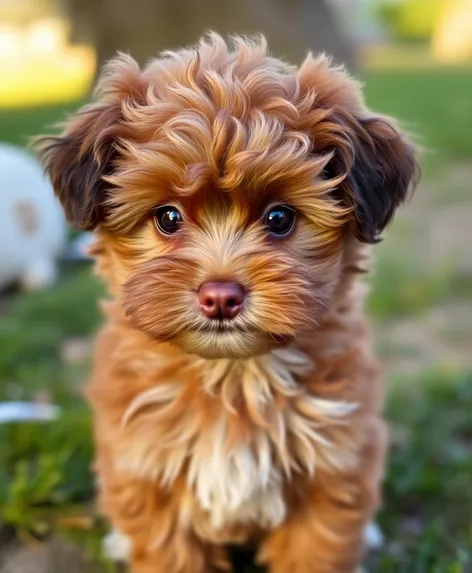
(221, 300)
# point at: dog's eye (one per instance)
(168, 219)
(280, 220)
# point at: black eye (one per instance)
(280, 220)
(168, 219)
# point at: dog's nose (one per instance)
(221, 300)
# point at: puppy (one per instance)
(236, 397)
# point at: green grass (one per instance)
(36, 325)
(402, 287)
(427, 513)
(45, 479)
(427, 516)
(17, 126)
(433, 103)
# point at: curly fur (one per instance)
(268, 432)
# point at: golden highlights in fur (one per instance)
(251, 417)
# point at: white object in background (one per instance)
(32, 224)
(78, 248)
(373, 537)
(116, 547)
(27, 412)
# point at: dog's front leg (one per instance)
(324, 531)
(154, 523)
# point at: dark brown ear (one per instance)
(383, 171)
(78, 159)
(373, 163)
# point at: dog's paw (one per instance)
(116, 547)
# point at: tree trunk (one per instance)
(145, 27)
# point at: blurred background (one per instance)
(415, 58)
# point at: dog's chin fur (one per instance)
(235, 345)
(267, 429)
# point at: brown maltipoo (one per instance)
(236, 397)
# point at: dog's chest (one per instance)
(235, 440)
(237, 483)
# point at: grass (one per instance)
(32, 78)
(45, 480)
(434, 103)
(17, 126)
(427, 515)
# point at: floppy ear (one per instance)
(383, 171)
(78, 159)
(374, 162)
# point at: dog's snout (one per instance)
(220, 300)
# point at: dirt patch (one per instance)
(442, 338)
(55, 556)
(436, 230)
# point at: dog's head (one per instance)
(223, 185)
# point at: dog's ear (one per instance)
(374, 164)
(80, 157)
(383, 171)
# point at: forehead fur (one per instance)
(215, 119)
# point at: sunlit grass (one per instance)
(387, 56)
(404, 57)
(40, 81)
